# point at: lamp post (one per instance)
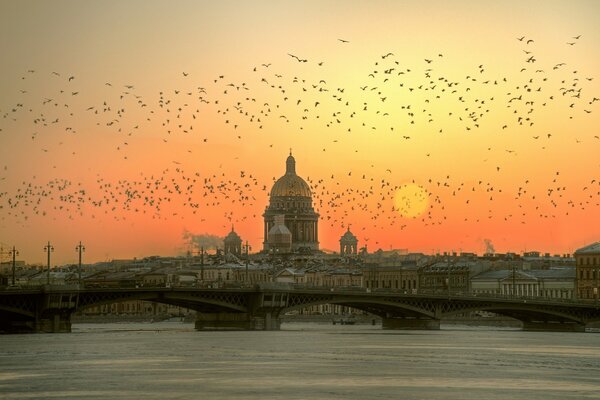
(202, 264)
(513, 291)
(14, 253)
(48, 249)
(247, 260)
(80, 248)
(596, 288)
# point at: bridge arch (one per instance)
(377, 306)
(203, 303)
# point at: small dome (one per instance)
(348, 236)
(232, 236)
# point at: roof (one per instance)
(279, 229)
(233, 236)
(348, 236)
(593, 248)
(553, 273)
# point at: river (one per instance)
(169, 360)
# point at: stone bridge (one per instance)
(49, 308)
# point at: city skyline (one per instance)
(430, 128)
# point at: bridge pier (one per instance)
(225, 321)
(410, 323)
(553, 326)
(56, 321)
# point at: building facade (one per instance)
(587, 261)
(555, 283)
(348, 244)
(232, 244)
(405, 278)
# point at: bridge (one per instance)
(49, 308)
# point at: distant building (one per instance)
(447, 277)
(291, 197)
(279, 237)
(233, 244)
(558, 283)
(348, 244)
(587, 260)
(397, 277)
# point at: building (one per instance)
(399, 277)
(348, 244)
(587, 261)
(447, 277)
(233, 244)
(555, 283)
(279, 237)
(291, 197)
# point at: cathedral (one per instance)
(291, 224)
(290, 221)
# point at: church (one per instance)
(290, 210)
(291, 224)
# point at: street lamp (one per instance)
(513, 291)
(247, 260)
(48, 249)
(596, 289)
(14, 253)
(202, 264)
(80, 248)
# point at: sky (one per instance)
(135, 126)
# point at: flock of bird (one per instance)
(408, 102)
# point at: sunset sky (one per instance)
(430, 126)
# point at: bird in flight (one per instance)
(344, 41)
(297, 58)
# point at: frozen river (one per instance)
(169, 360)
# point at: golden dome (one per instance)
(290, 185)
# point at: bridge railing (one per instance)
(311, 287)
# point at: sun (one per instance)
(411, 200)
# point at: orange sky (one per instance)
(104, 139)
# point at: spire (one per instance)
(232, 228)
(290, 165)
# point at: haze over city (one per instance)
(135, 126)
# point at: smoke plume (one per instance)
(489, 247)
(205, 240)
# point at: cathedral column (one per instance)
(306, 234)
(266, 234)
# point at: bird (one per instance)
(297, 58)
(344, 41)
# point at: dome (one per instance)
(290, 184)
(348, 236)
(233, 237)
